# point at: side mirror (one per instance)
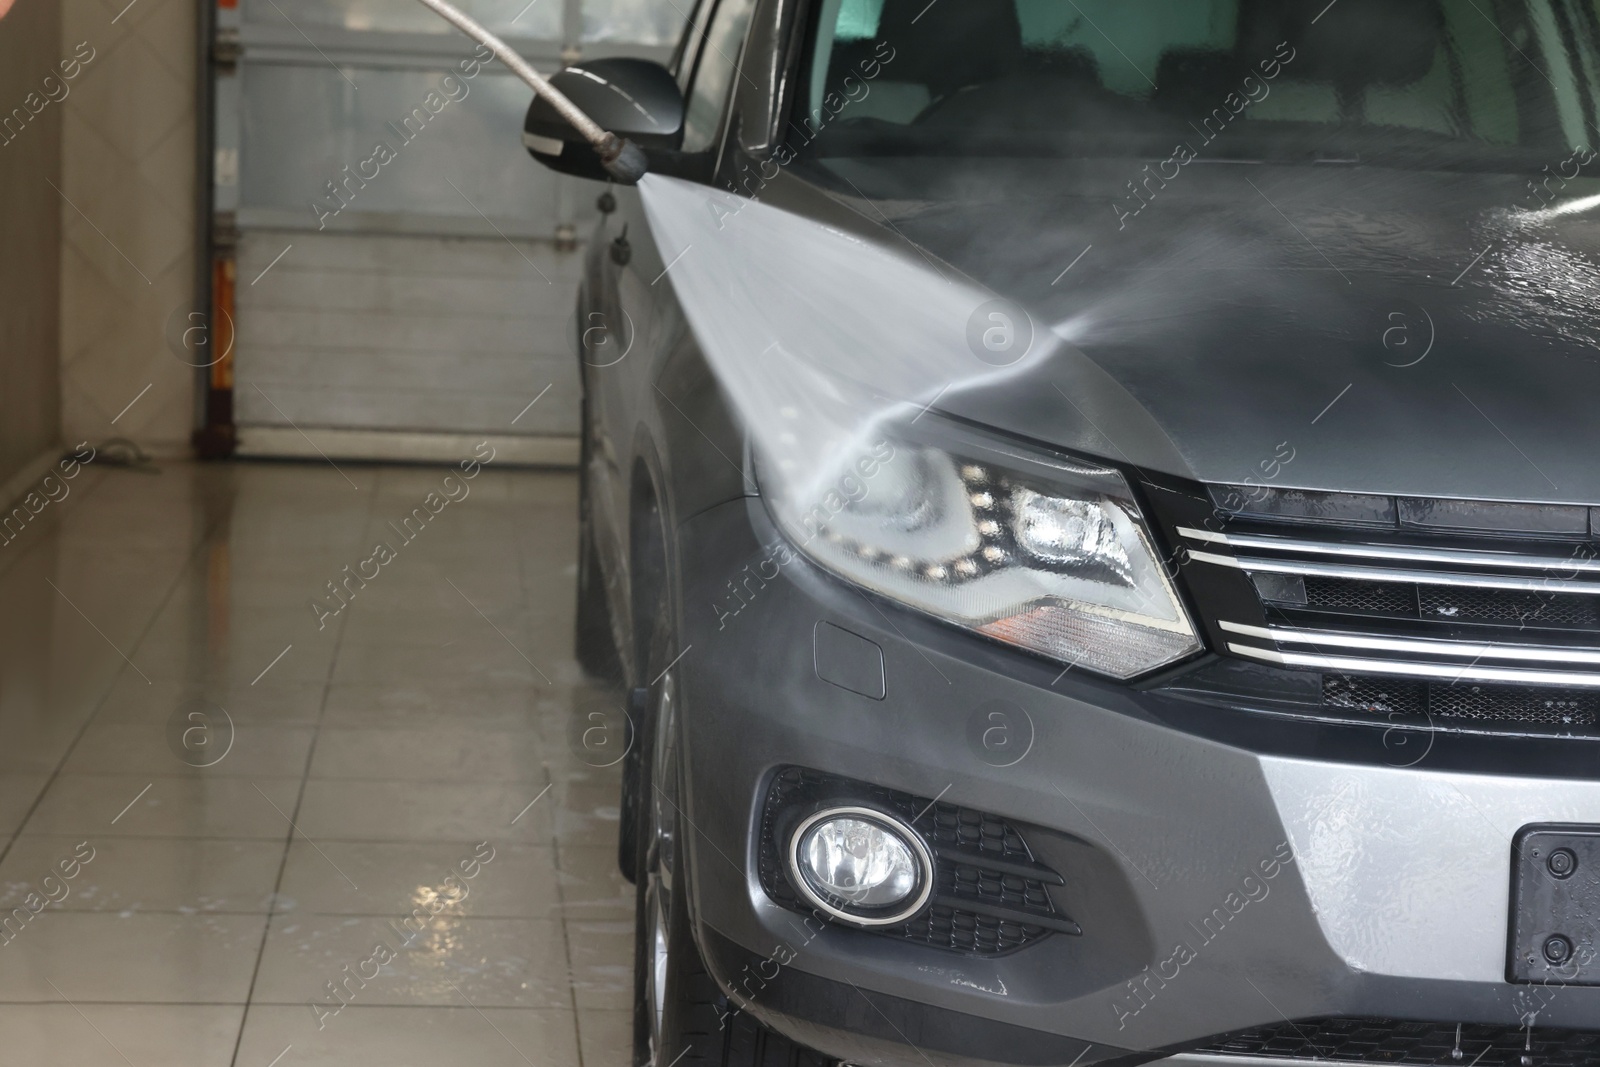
(632, 98)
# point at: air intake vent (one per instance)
(1396, 702)
(1393, 1042)
(990, 896)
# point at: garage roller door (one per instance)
(405, 274)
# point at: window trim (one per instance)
(716, 149)
(681, 49)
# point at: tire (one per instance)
(682, 1018)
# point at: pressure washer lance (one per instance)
(622, 159)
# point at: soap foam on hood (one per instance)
(818, 337)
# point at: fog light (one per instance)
(861, 865)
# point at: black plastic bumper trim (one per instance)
(807, 1002)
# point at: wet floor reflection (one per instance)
(270, 792)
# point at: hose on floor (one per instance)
(121, 452)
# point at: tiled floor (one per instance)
(250, 805)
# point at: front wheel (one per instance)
(682, 1018)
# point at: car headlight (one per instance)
(1042, 553)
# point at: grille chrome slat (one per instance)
(1403, 669)
(1356, 572)
(1397, 553)
(1425, 646)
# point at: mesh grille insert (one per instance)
(1384, 698)
(1499, 605)
(1525, 705)
(1361, 598)
(1441, 603)
(1396, 1042)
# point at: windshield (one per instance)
(1471, 84)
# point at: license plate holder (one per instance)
(1555, 906)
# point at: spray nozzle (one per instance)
(622, 159)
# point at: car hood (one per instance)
(1409, 333)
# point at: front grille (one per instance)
(1395, 1042)
(990, 895)
(1459, 631)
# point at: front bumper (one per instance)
(1393, 901)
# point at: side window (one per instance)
(715, 69)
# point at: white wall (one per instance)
(127, 152)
